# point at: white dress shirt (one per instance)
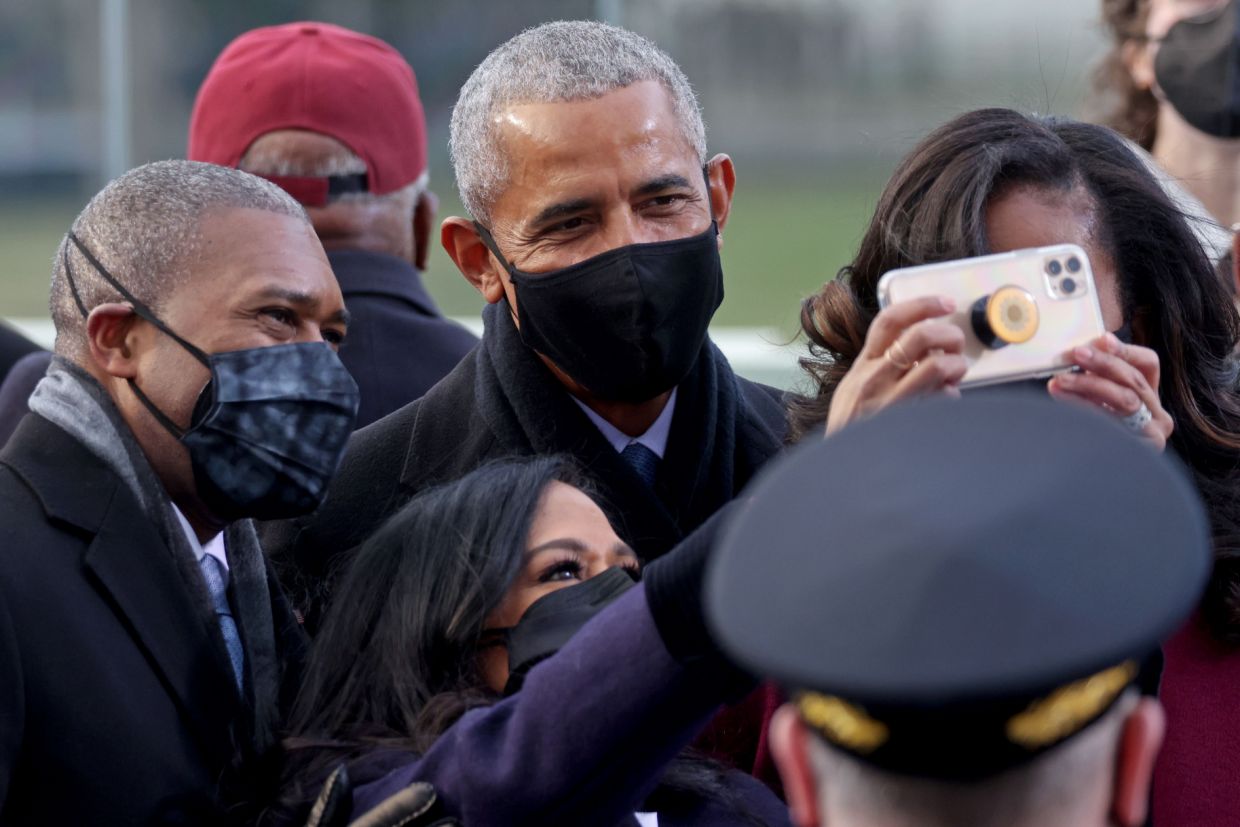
(213, 547)
(655, 437)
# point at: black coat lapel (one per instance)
(135, 572)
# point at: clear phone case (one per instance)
(1021, 312)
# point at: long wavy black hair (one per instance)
(934, 209)
(395, 662)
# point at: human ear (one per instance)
(1138, 58)
(423, 225)
(1140, 739)
(471, 256)
(721, 177)
(790, 748)
(109, 334)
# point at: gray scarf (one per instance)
(72, 399)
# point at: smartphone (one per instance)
(1021, 312)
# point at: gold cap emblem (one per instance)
(842, 723)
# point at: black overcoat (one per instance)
(117, 703)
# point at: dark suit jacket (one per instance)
(117, 704)
(398, 344)
(16, 388)
(502, 401)
(584, 742)
(13, 346)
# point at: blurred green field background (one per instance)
(784, 238)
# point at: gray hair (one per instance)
(560, 61)
(1050, 790)
(144, 227)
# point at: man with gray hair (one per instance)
(333, 116)
(146, 650)
(597, 218)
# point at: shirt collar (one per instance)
(213, 547)
(655, 437)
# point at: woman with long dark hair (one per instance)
(407, 676)
(996, 180)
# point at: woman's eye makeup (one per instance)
(568, 568)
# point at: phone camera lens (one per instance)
(1074, 265)
(1068, 285)
(1054, 267)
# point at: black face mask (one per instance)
(270, 426)
(552, 619)
(1198, 70)
(627, 324)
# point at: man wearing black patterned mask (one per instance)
(145, 646)
(597, 217)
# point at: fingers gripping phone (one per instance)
(1021, 312)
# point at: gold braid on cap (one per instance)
(1069, 708)
(842, 723)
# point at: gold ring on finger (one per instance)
(903, 364)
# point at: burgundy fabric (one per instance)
(739, 736)
(319, 77)
(1197, 778)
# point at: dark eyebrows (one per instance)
(663, 183)
(562, 210)
(300, 299)
(577, 547)
(562, 543)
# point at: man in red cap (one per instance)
(333, 117)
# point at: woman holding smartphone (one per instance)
(995, 180)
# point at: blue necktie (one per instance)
(212, 572)
(644, 461)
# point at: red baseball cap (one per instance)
(319, 77)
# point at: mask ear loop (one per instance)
(710, 206)
(143, 312)
(139, 306)
(489, 241)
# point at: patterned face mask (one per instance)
(269, 428)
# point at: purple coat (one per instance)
(584, 741)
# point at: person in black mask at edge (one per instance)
(146, 649)
(580, 152)
(1170, 84)
(333, 116)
